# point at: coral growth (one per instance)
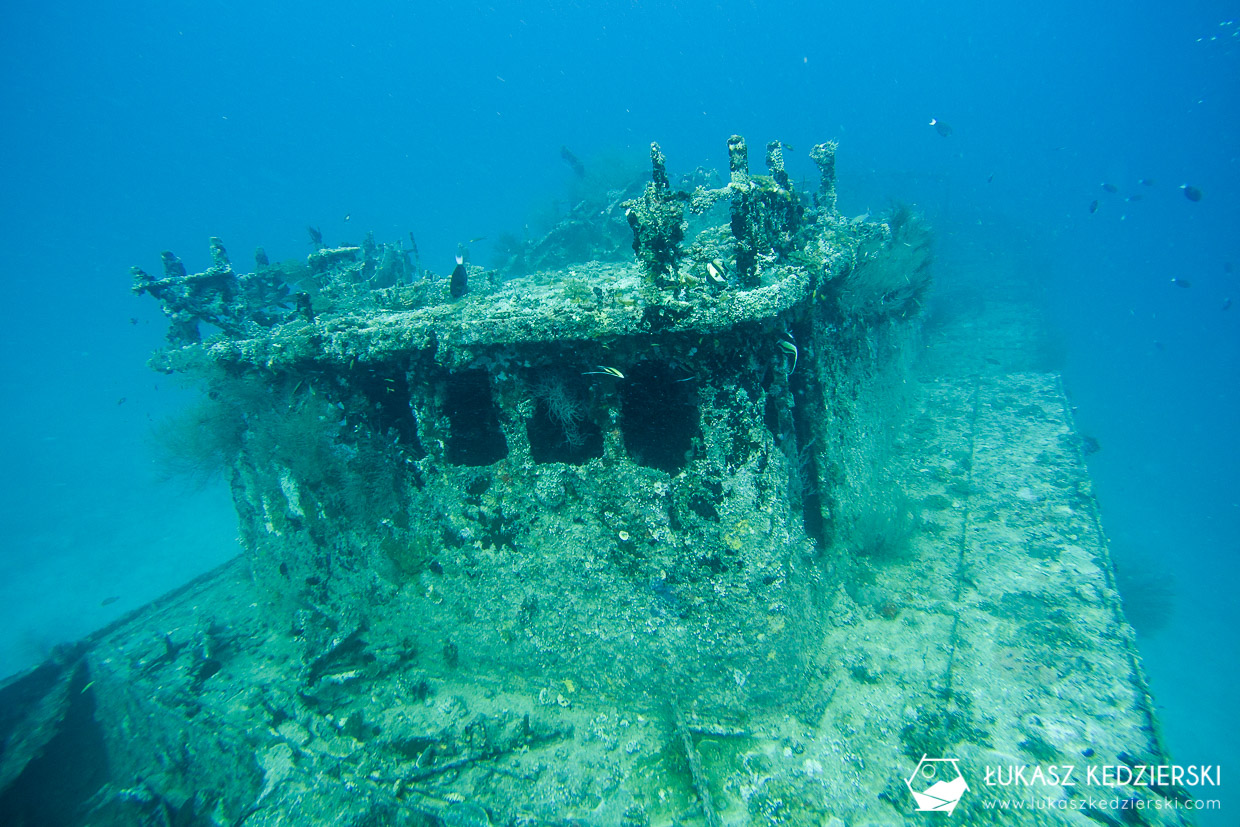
(658, 223)
(891, 272)
(766, 213)
(564, 408)
(197, 444)
(217, 296)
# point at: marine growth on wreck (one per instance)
(632, 474)
(648, 524)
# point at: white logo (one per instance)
(940, 784)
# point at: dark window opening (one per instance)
(387, 394)
(658, 416)
(555, 438)
(474, 437)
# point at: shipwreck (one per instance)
(652, 523)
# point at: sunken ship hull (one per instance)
(674, 535)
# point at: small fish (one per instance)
(348, 216)
(1182, 282)
(940, 127)
(603, 370)
(1191, 192)
(1109, 187)
(1134, 197)
(715, 270)
(121, 401)
(990, 178)
(108, 601)
(133, 319)
(1146, 182)
(1093, 207)
(459, 285)
(790, 349)
(1227, 303)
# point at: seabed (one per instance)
(710, 529)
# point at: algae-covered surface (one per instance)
(715, 534)
(995, 637)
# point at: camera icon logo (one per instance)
(936, 784)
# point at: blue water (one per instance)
(133, 127)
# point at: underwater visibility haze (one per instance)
(619, 412)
